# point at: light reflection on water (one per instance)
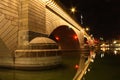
(111, 50)
(64, 72)
(106, 65)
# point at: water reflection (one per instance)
(6, 74)
(102, 55)
(106, 65)
(111, 50)
(66, 71)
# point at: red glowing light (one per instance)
(96, 41)
(75, 37)
(57, 38)
(76, 66)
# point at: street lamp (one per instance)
(87, 29)
(73, 10)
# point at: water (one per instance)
(64, 72)
(105, 67)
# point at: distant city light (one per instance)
(101, 38)
(114, 42)
(102, 45)
(102, 55)
(115, 52)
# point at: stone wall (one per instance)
(36, 16)
(19, 20)
(32, 20)
(9, 15)
(9, 22)
(56, 17)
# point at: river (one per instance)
(66, 71)
(106, 66)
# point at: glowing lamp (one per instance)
(75, 37)
(73, 9)
(114, 42)
(87, 29)
(76, 66)
(57, 38)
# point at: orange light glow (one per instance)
(76, 66)
(75, 37)
(57, 38)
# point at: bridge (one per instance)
(28, 28)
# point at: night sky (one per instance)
(101, 16)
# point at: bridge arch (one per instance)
(66, 37)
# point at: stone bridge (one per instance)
(27, 25)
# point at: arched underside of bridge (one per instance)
(66, 38)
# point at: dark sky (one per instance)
(102, 16)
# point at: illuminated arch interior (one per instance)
(66, 38)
